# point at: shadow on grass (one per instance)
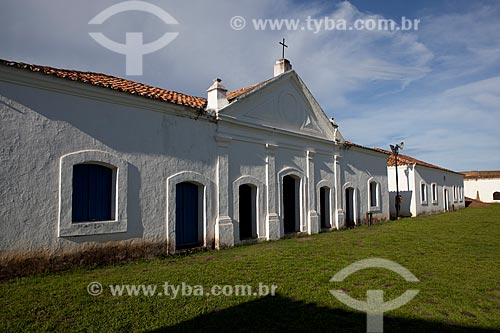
(273, 314)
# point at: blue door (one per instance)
(187, 219)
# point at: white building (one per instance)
(425, 188)
(364, 171)
(90, 160)
(482, 185)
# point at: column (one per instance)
(224, 228)
(312, 218)
(273, 224)
(339, 212)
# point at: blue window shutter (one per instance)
(92, 193)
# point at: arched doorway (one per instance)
(188, 215)
(291, 204)
(247, 211)
(349, 207)
(324, 207)
(446, 200)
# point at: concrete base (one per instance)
(224, 232)
(273, 227)
(314, 223)
(341, 219)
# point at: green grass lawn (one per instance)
(456, 257)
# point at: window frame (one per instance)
(424, 199)
(345, 208)
(331, 208)
(205, 201)
(299, 205)
(118, 224)
(376, 207)
(434, 193)
(259, 205)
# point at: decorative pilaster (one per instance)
(312, 219)
(273, 231)
(339, 212)
(224, 228)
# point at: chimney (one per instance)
(281, 66)
(217, 96)
(335, 129)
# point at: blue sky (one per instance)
(436, 88)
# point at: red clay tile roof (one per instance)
(115, 83)
(403, 159)
(378, 150)
(481, 174)
(406, 160)
(124, 85)
(233, 94)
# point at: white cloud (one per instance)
(465, 43)
(451, 118)
(336, 63)
(457, 128)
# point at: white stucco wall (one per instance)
(42, 124)
(358, 167)
(49, 124)
(248, 159)
(445, 181)
(406, 182)
(485, 187)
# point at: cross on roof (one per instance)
(283, 48)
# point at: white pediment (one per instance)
(284, 103)
(285, 111)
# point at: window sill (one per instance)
(66, 225)
(93, 228)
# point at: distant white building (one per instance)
(90, 160)
(425, 188)
(482, 185)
